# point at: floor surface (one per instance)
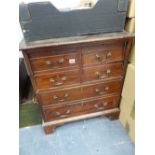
(97, 136)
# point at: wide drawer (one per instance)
(60, 96)
(80, 108)
(102, 89)
(103, 72)
(55, 62)
(102, 54)
(56, 79)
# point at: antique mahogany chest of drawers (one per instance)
(77, 77)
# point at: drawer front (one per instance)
(58, 79)
(80, 108)
(103, 72)
(60, 96)
(100, 55)
(102, 89)
(55, 62)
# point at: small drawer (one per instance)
(102, 89)
(57, 79)
(103, 72)
(59, 96)
(80, 108)
(55, 62)
(102, 54)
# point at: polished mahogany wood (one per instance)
(78, 77)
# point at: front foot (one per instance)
(49, 129)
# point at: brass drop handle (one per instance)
(101, 107)
(105, 103)
(97, 90)
(55, 97)
(98, 107)
(61, 61)
(82, 104)
(98, 74)
(48, 62)
(108, 71)
(64, 78)
(62, 116)
(102, 77)
(57, 113)
(98, 56)
(106, 88)
(66, 95)
(58, 84)
(61, 100)
(51, 80)
(109, 54)
(66, 113)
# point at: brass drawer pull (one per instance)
(68, 111)
(106, 88)
(48, 62)
(97, 90)
(108, 71)
(58, 84)
(64, 78)
(57, 113)
(97, 107)
(51, 80)
(109, 54)
(102, 77)
(103, 60)
(105, 103)
(61, 100)
(66, 95)
(100, 108)
(97, 74)
(55, 97)
(62, 116)
(99, 58)
(61, 61)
